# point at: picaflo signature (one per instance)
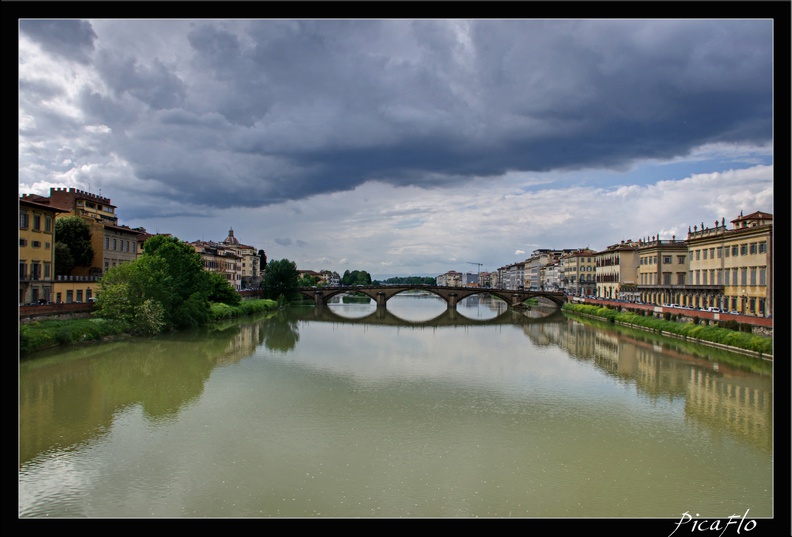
(720, 525)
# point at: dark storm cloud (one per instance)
(72, 39)
(259, 112)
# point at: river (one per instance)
(412, 410)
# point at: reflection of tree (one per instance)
(280, 332)
(73, 397)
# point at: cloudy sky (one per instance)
(402, 147)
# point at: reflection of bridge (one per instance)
(449, 317)
(452, 295)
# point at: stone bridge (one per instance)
(449, 317)
(452, 295)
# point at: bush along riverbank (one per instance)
(726, 335)
(39, 335)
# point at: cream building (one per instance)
(662, 271)
(617, 271)
(739, 261)
(579, 275)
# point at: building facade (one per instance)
(36, 252)
(579, 277)
(738, 261)
(617, 271)
(662, 271)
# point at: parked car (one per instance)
(713, 309)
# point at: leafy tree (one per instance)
(307, 281)
(222, 291)
(73, 243)
(168, 278)
(64, 260)
(356, 277)
(280, 278)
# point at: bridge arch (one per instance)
(452, 295)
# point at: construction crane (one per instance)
(479, 271)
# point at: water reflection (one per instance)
(277, 378)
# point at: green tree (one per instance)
(307, 281)
(222, 291)
(167, 285)
(72, 244)
(356, 277)
(280, 278)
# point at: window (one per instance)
(752, 248)
(762, 247)
(107, 243)
(36, 244)
(35, 270)
(47, 246)
(23, 242)
(47, 271)
(79, 295)
(726, 277)
(680, 278)
(23, 271)
(698, 255)
(753, 276)
(698, 277)
(720, 252)
(705, 253)
(735, 253)
(712, 253)
(666, 278)
(743, 249)
(23, 220)
(36, 222)
(69, 296)
(48, 224)
(726, 252)
(114, 244)
(667, 259)
(762, 276)
(743, 276)
(681, 259)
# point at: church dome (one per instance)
(231, 239)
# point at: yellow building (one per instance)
(112, 244)
(739, 261)
(36, 251)
(617, 271)
(250, 266)
(579, 272)
(662, 271)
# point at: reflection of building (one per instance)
(741, 406)
(717, 397)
